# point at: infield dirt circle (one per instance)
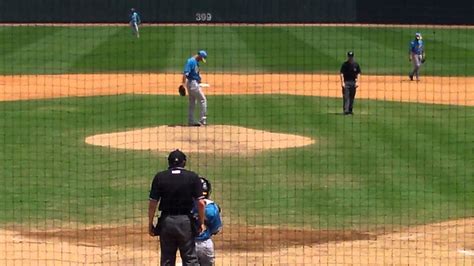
(444, 243)
(215, 139)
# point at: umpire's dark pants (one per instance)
(348, 93)
(176, 233)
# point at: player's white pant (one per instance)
(134, 26)
(205, 252)
(195, 94)
(416, 61)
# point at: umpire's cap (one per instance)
(176, 157)
(206, 187)
(350, 54)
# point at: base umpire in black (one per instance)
(350, 74)
(177, 190)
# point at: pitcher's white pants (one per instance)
(196, 95)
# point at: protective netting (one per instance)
(90, 112)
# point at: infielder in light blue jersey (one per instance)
(191, 80)
(416, 55)
(134, 22)
(204, 245)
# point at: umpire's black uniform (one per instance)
(350, 72)
(176, 189)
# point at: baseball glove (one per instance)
(423, 60)
(182, 90)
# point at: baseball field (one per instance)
(89, 114)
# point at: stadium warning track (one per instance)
(201, 24)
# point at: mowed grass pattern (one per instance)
(242, 49)
(391, 164)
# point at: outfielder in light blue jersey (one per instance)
(416, 55)
(204, 245)
(134, 22)
(191, 80)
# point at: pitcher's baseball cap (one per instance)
(176, 157)
(418, 36)
(350, 54)
(203, 55)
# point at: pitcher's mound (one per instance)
(209, 139)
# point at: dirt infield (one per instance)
(447, 243)
(437, 90)
(215, 139)
(439, 244)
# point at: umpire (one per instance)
(350, 74)
(176, 189)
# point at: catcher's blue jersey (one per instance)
(213, 220)
(416, 46)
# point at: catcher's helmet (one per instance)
(206, 187)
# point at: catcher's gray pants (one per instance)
(205, 252)
(348, 93)
(416, 61)
(195, 94)
(176, 233)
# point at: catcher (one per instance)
(213, 224)
(416, 55)
(191, 81)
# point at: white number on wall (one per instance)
(203, 17)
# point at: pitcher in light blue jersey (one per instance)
(134, 22)
(191, 80)
(416, 55)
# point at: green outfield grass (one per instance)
(390, 164)
(250, 49)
